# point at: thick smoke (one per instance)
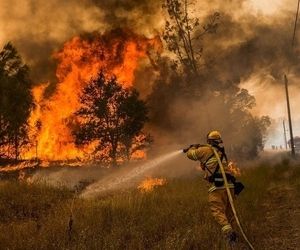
(38, 28)
(141, 16)
(251, 48)
(257, 53)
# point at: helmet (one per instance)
(214, 136)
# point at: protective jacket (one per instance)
(209, 164)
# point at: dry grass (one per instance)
(174, 216)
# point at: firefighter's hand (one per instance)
(191, 146)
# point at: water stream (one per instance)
(114, 182)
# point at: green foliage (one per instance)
(113, 116)
(16, 102)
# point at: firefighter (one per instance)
(217, 196)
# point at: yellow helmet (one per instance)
(214, 136)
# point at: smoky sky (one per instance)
(142, 16)
(253, 41)
(254, 37)
(38, 28)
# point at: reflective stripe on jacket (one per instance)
(213, 187)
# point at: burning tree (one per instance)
(112, 117)
(16, 102)
(118, 52)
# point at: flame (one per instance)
(116, 52)
(139, 154)
(233, 169)
(149, 184)
(19, 167)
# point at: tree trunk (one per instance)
(114, 155)
(128, 153)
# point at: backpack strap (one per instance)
(222, 150)
(204, 164)
(223, 155)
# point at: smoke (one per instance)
(258, 54)
(38, 28)
(96, 180)
(252, 48)
(143, 17)
(69, 177)
(123, 179)
(270, 92)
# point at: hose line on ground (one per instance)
(231, 199)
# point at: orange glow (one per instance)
(116, 53)
(149, 184)
(19, 167)
(233, 169)
(139, 154)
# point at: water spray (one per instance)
(113, 183)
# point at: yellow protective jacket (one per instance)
(208, 161)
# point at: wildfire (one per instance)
(116, 53)
(18, 167)
(149, 184)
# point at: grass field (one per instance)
(173, 216)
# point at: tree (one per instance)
(16, 102)
(192, 101)
(112, 117)
(183, 35)
(251, 134)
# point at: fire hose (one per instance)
(231, 199)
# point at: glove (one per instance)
(191, 146)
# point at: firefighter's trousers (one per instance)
(221, 209)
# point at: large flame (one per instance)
(116, 53)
